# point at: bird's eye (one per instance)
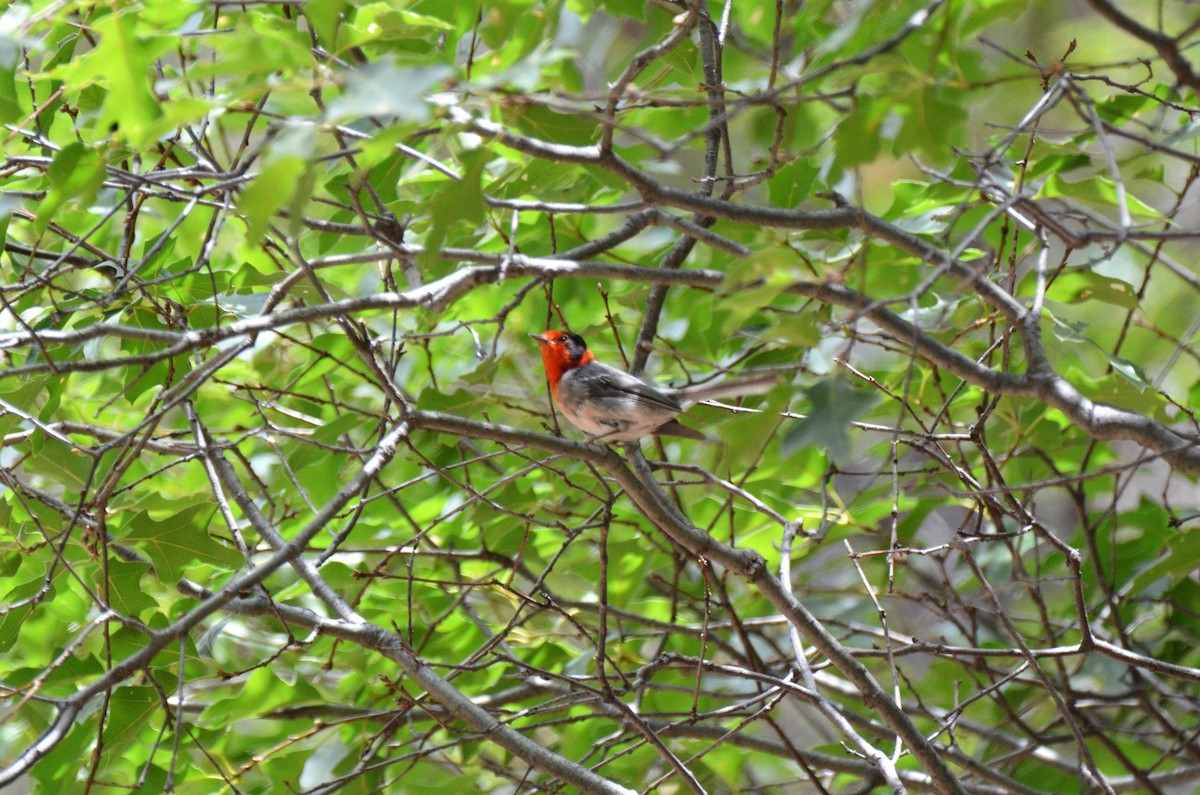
(562, 339)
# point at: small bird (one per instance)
(613, 406)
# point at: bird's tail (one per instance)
(733, 387)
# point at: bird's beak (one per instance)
(541, 340)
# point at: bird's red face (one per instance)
(561, 352)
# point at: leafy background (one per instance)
(285, 506)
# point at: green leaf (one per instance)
(77, 173)
(63, 759)
(1178, 557)
(934, 312)
(123, 64)
(403, 31)
(23, 393)
(835, 405)
(385, 91)
(793, 183)
(126, 593)
(64, 464)
(325, 16)
(258, 45)
(178, 541)
(1087, 285)
(857, 139)
(19, 610)
(1058, 164)
(933, 121)
(10, 104)
(744, 432)
(131, 709)
(459, 203)
(1073, 332)
(1122, 107)
(543, 122)
(768, 272)
(269, 191)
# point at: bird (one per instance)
(611, 405)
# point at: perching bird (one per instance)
(613, 406)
